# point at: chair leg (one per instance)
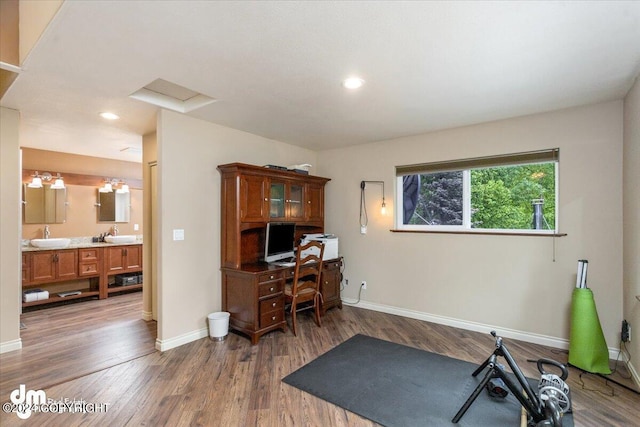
(317, 304)
(293, 317)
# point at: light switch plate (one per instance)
(178, 234)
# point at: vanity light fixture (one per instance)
(109, 116)
(353, 83)
(110, 184)
(36, 182)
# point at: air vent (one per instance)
(172, 96)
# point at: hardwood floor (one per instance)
(232, 383)
(72, 340)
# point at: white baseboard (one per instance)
(147, 316)
(168, 344)
(8, 346)
(632, 369)
(546, 340)
(634, 373)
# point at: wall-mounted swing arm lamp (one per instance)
(364, 218)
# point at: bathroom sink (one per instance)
(120, 239)
(51, 243)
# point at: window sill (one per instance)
(480, 232)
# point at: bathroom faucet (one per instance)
(115, 229)
(47, 233)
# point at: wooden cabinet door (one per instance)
(26, 268)
(330, 285)
(66, 264)
(114, 258)
(123, 258)
(133, 257)
(254, 199)
(43, 266)
(315, 203)
(54, 265)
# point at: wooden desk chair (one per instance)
(305, 288)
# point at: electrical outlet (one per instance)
(625, 334)
(364, 284)
(346, 282)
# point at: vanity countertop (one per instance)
(76, 244)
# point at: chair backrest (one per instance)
(308, 267)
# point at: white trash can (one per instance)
(218, 325)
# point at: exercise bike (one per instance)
(544, 408)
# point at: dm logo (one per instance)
(25, 400)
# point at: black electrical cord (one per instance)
(363, 207)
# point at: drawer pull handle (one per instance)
(273, 318)
(273, 305)
(272, 289)
(271, 277)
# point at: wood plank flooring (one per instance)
(72, 340)
(232, 383)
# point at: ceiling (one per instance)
(276, 68)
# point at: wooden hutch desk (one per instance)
(252, 196)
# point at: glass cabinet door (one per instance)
(277, 200)
(295, 201)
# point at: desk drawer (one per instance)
(269, 288)
(272, 304)
(271, 318)
(267, 277)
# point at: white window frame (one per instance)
(466, 207)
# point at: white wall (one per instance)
(10, 209)
(189, 150)
(632, 221)
(511, 283)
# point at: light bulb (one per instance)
(58, 185)
(35, 183)
(353, 83)
(383, 211)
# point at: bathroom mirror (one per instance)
(44, 205)
(113, 206)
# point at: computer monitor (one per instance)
(279, 242)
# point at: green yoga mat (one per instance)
(587, 347)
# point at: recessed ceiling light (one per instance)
(109, 116)
(353, 83)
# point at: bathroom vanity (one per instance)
(81, 270)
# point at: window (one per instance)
(510, 193)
